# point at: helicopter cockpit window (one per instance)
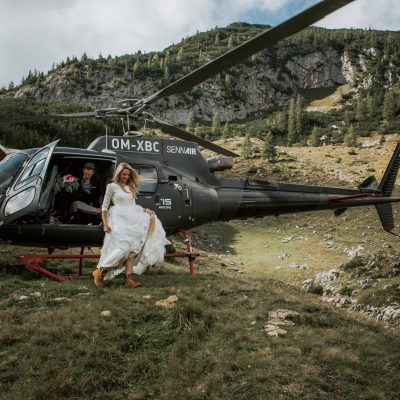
(33, 169)
(149, 179)
(9, 167)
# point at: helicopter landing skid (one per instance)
(189, 251)
(32, 262)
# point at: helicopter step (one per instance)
(33, 262)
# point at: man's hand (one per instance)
(148, 211)
(106, 228)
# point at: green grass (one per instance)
(207, 347)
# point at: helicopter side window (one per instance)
(149, 179)
(9, 167)
(33, 169)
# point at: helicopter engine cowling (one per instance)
(220, 163)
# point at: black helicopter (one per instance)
(179, 184)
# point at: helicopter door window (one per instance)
(33, 169)
(149, 179)
(9, 167)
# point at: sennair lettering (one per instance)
(181, 150)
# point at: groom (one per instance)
(85, 206)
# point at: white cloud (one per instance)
(383, 15)
(34, 34)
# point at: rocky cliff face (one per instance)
(252, 88)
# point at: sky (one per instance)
(34, 34)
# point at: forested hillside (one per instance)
(265, 96)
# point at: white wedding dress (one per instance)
(129, 226)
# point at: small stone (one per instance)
(36, 294)
(106, 313)
(281, 313)
(60, 299)
(298, 266)
(307, 283)
(275, 331)
(147, 297)
(169, 302)
(23, 298)
(283, 255)
(83, 294)
(351, 253)
(252, 323)
(326, 276)
(386, 287)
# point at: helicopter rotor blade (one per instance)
(37, 118)
(262, 41)
(185, 135)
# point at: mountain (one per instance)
(313, 59)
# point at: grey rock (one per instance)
(295, 265)
(327, 276)
(283, 255)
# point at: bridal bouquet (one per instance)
(68, 183)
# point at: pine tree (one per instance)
(281, 120)
(179, 55)
(167, 57)
(350, 139)
(389, 105)
(84, 58)
(166, 72)
(299, 117)
(247, 148)
(136, 67)
(269, 150)
(216, 125)
(315, 137)
(228, 81)
(348, 118)
(190, 122)
(198, 130)
(361, 111)
(292, 133)
(226, 132)
(371, 105)
(231, 41)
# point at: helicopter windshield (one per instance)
(9, 167)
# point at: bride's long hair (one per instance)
(133, 180)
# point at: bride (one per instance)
(134, 236)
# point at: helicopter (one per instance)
(178, 182)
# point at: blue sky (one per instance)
(36, 34)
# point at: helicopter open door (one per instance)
(23, 196)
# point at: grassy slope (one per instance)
(208, 347)
(205, 348)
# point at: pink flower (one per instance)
(68, 178)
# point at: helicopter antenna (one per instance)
(123, 126)
(106, 137)
(144, 126)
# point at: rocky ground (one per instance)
(348, 260)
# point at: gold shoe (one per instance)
(130, 281)
(98, 276)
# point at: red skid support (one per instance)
(32, 263)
